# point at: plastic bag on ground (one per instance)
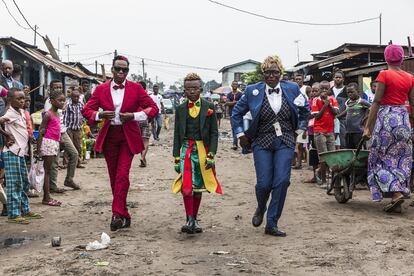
(36, 175)
(96, 245)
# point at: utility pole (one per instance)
(96, 67)
(68, 46)
(380, 19)
(297, 48)
(35, 33)
(143, 69)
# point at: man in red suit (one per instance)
(119, 139)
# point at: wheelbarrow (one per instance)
(349, 167)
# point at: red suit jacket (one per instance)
(135, 98)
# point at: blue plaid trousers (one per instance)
(17, 184)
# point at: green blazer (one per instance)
(208, 126)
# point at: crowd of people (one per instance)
(56, 131)
(282, 122)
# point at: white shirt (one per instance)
(157, 99)
(303, 91)
(117, 99)
(18, 128)
(336, 91)
(275, 99)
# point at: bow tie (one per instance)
(116, 87)
(191, 104)
(273, 90)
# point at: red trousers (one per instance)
(118, 160)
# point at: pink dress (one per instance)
(50, 142)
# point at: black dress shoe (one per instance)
(197, 227)
(116, 223)
(126, 223)
(257, 218)
(275, 232)
(189, 227)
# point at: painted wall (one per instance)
(228, 75)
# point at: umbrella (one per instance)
(222, 90)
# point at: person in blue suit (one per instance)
(278, 109)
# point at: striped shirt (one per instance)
(72, 117)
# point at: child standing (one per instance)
(355, 112)
(48, 142)
(195, 145)
(16, 147)
(324, 109)
(313, 152)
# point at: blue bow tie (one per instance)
(273, 90)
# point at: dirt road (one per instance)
(324, 237)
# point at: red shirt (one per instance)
(397, 86)
(325, 123)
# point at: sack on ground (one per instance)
(36, 175)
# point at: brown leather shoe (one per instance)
(72, 185)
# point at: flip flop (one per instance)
(32, 215)
(18, 220)
(390, 207)
(52, 202)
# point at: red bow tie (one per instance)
(190, 105)
(116, 87)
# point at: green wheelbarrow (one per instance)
(349, 167)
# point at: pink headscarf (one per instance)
(394, 55)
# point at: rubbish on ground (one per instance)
(56, 241)
(381, 242)
(102, 263)
(220, 252)
(96, 245)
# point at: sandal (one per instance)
(18, 220)
(143, 163)
(32, 215)
(52, 202)
(313, 180)
(390, 207)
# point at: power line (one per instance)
(21, 13)
(106, 54)
(173, 63)
(14, 18)
(292, 21)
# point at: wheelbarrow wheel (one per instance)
(341, 188)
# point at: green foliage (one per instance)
(253, 77)
(211, 85)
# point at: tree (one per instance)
(253, 77)
(211, 85)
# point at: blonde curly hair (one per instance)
(192, 77)
(272, 60)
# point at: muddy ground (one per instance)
(324, 237)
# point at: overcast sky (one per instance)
(200, 33)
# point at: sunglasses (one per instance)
(119, 69)
(271, 72)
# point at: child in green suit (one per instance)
(195, 145)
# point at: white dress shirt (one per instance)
(275, 99)
(117, 99)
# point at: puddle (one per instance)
(13, 242)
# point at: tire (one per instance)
(339, 188)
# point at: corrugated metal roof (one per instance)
(324, 62)
(51, 63)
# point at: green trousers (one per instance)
(72, 153)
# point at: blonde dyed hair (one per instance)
(267, 63)
(192, 77)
